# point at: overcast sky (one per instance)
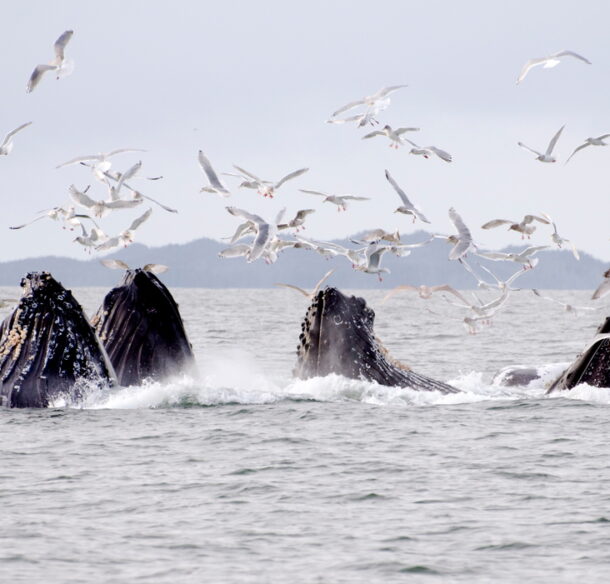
(252, 83)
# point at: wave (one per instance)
(240, 380)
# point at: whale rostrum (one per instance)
(142, 331)
(337, 337)
(48, 349)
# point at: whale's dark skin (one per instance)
(142, 330)
(337, 337)
(48, 348)
(591, 367)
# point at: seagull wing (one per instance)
(451, 290)
(373, 134)
(322, 280)
(314, 193)
(533, 250)
(441, 153)
(602, 289)
(60, 44)
(349, 106)
(29, 222)
(164, 207)
(81, 198)
(80, 159)
(571, 54)
(123, 204)
(155, 268)
(211, 174)
(531, 218)
(401, 193)
(290, 176)
(13, 132)
(139, 220)
(36, 76)
(526, 68)
(554, 141)
(353, 198)
(528, 148)
(398, 289)
(129, 173)
(400, 131)
(303, 292)
(579, 148)
(495, 223)
(493, 255)
(246, 215)
(248, 174)
(115, 264)
(121, 150)
(387, 90)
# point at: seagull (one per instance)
(339, 200)
(425, 292)
(7, 144)
(316, 289)
(558, 240)
(216, 185)
(567, 307)
(368, 117)
(101, 163)
(407, 207)
(100, 208)
(525, 226)
(499, 285)
(125, 237)
(371, 100)
(93, 239)
(60, 64)
(235, 251)
(462, 242)
(546, 157)
(548, 62)
(137, 195)
(599, 141)
(381, 234)
(328, 249)
(54, 213)
(522, 257)
(265, 232)
(393, 135)
(298, 222)
(121, 265)
(427, 151)
(372, 259)
(603, 288)
(265, 187)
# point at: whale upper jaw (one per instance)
(337, 336)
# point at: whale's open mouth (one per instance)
(141, 328)
(337, 336)
(593, 364)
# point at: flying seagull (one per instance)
(60, 64)
(7, 144)
(546, 157)
(216, 185)
(407, 207)
(548, 62)
(599, 141)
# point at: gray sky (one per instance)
(251, 83)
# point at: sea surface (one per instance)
(244, 474)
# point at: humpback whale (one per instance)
(48, 349)
(141, 329)
(337, 337)
(592, 366)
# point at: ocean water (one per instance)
(244, 474)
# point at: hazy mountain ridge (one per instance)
(196, 264)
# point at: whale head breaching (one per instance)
(142, 330)
(48, 349)
(592, 366)
(337, 337)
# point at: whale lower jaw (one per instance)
(337, 337)
(592, 366)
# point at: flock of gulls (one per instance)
(256, 238)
